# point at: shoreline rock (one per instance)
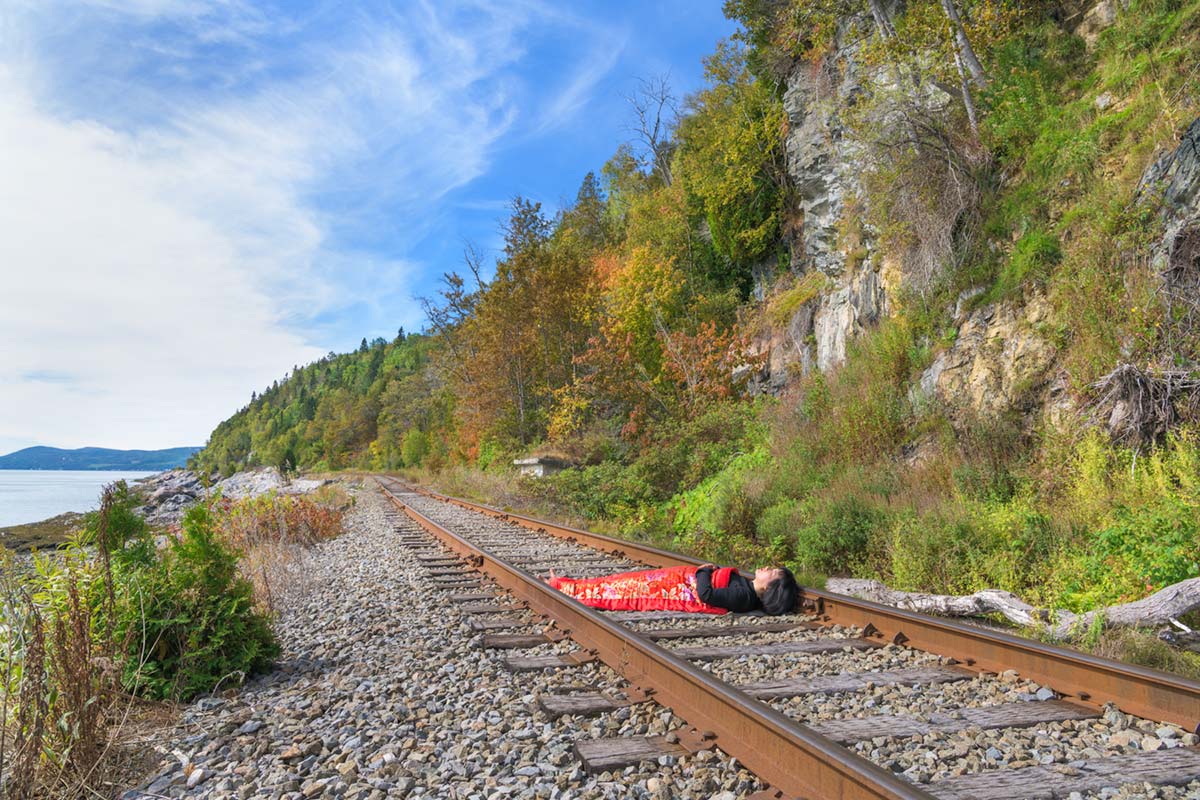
(169, 494)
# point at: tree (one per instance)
(963, 49)
(655, 116)
(415, 447)
(731, 157)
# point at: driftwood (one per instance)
(1161, 608)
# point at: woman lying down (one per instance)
(706, 589)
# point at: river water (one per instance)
(32, 495)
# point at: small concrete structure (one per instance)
(539, 466)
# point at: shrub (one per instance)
(962, 548)
(58, 661)
(1033, 257)
(860, 412)
(189, 619)
(270, 534)
(833, 536)
(279, 519)
(932, 552)
(723, 504)
(1144, 549)
(777, 525)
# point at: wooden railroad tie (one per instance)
(710, 631)
(593, 703)
(773, 649)
(455, 583)
(1007, 715)
(513, 641)
(664, 633)
(581, 704)
(472, 597)
(1175, 767)
(520, 664)
(535, 663)
(609, 755)
(498, 623)
(853, 681)
(487, 608)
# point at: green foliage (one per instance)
(603, 491)
(834, 537)
(731, 158)
(1033, 257)
(118, 529)
(188, 618)
(1144, 549)
(721, 503)
(415, 447)
(863, 409)
(784, 305)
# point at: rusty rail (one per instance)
(1085, 678)
(788, 756)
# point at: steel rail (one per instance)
(1095, 681)
(788, 756)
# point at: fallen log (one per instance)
(1162, 607)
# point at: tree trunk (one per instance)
(964, 44)
(882, 21)
(968, 101)
(1160, 608)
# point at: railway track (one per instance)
(847, 699)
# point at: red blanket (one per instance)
(666, 589)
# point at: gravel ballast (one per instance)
(383, 691)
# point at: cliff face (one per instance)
(1004, 355)
(823, 166)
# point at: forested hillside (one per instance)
(909, 290)
(97, 458)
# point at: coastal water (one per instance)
(32, 495)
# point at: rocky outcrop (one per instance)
(1004, 355)
(1174, 181)
(823, 166)
(1000, 360)
(819, 159)
(169, 494)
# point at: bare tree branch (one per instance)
(655, 112)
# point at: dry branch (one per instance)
(1158, 609)
(1143, 405)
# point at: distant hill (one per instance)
(97, 458)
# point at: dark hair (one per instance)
(780, 595)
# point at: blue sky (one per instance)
(197, 194)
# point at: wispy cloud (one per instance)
(574, 95)
(48, 376)
(199, 194)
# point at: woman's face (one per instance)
(764, 575)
